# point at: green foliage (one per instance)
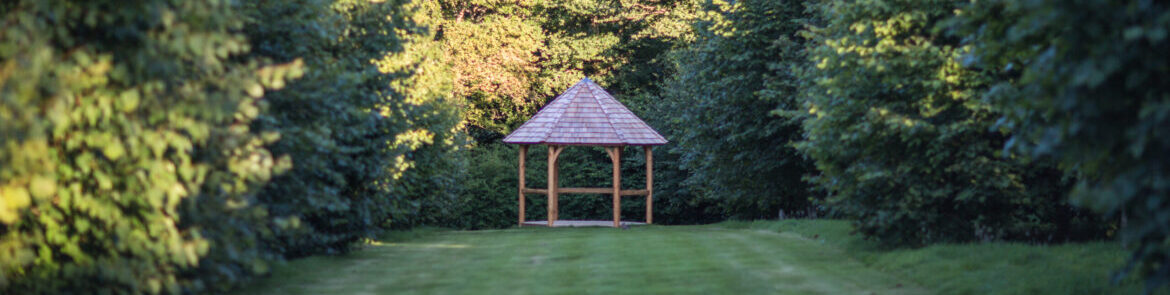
(117, 119)
(495, 63)
(136, 145)
(902, 141)
(1085, 83)
(489, 197)
(508, 58)
(327, 121)
(435, 174)
(717, 107)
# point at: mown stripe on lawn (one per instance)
(655, 259)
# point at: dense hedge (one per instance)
(335, 122)
(167, 147)
(717, 110)
(1086, 83)
(118, 119)
(902, 141)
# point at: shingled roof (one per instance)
(585, 115)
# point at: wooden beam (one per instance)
(634, 192)
(586, 190)
(615, 153)
(600, 190)
(649, 150)
(523, 154)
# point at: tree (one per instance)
(1085, 83)
(719, 103)
(348, 125)
(511, 57)
(902, 142)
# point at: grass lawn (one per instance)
(789, 257)
(982, 268)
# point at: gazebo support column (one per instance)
(649, 184)
(615, 154)
(553, 152)
(523, 154)
(557, 177)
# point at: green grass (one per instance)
(979, 268)
(788, 257)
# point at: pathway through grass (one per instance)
(655, 259)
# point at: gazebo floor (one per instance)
(580, 223)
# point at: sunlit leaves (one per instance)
(108, 112)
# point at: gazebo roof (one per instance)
(585, 115)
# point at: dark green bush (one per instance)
(902, 141)
(340, 124)
(489, 197)
(1085, 82)
(136, 140)
(717, 108)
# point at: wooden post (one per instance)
(649, 184)
(523, 154)
(615, 153)
(557, 178)
(552, 182)
(553, 152)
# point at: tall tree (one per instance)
(719, 104)
(348, 125)
(901, 139)
(510, 57)
(1086, 82)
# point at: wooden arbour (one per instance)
(585, 115)
(554, 190)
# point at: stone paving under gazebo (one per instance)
(586, 115)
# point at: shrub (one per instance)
(1085, 83)
(719, 102)
(902, 141)
(136, 145)
(118, 118)
(357, 126)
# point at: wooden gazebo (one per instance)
(586, 114)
